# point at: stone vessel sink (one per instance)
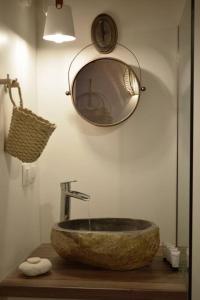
(115, 244)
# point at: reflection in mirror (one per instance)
(105, 92)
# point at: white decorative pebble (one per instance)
(35, 266)
(33, 260)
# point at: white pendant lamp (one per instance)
(59, 25)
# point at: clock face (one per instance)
(104, 33)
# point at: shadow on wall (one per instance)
(15, 22)
(148, 133)
(147, 130)
(47, 220)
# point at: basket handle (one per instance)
(11, 96)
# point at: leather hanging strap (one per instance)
(59, 4)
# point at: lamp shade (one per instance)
(59, 25)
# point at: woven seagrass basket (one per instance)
(28, 133)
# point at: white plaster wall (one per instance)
(196, 185)
(130, 169)
(19, 208)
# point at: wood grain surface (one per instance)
(76, 281)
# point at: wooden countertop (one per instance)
(76, 281)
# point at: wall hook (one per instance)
(8, 85)
(7, 82)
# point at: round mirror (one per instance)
(105, 92)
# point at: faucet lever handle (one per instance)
(71, 181)
(67, 184)
(68, 181)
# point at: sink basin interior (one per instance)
(105, 224)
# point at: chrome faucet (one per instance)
(66, 195)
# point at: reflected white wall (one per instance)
(130, 169)
(184, 111)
